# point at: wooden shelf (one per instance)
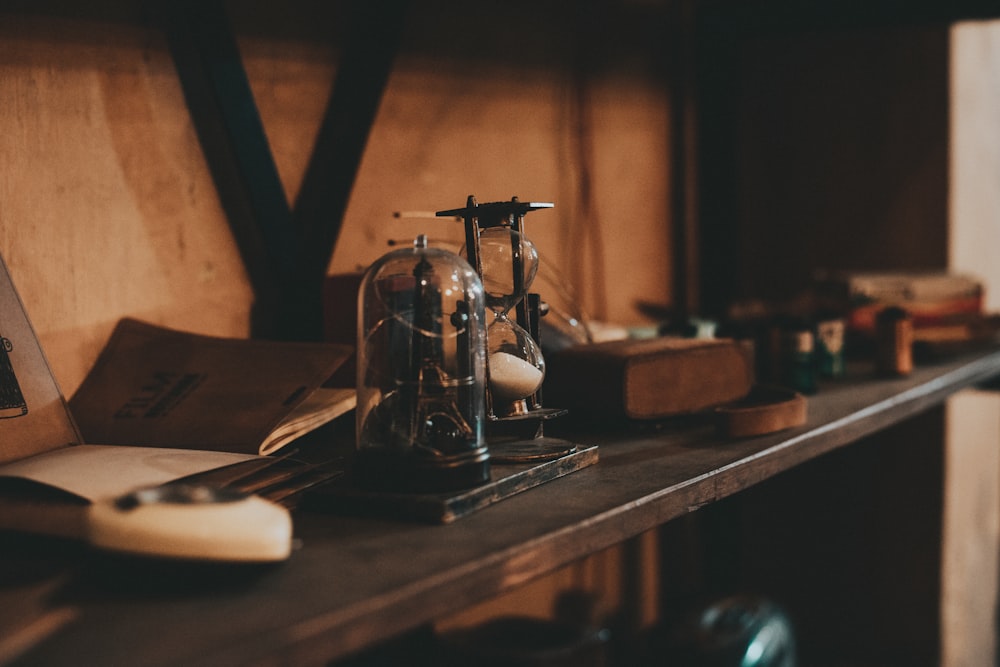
(356, 581)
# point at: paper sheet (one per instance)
(100, 471)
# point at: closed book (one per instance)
(649, 378)
(930, 297)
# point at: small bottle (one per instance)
(798, 355)
(830, 338)
(893, 342)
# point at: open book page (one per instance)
(159, 387)
(40, 441)
(100, 471)
(320, 407)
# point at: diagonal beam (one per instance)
(375, 32)
(286, 251)
(232, 136)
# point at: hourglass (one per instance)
(497, 247)
(516, 365)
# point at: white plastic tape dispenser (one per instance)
(192, 522)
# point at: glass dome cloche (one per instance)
(421, 374)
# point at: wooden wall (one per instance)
(107, 207)
(832, 151)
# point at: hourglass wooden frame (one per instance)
(478, 217)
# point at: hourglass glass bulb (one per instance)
(517, 367)
(497, 247)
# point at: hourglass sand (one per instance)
(516, 366)
(507, 261)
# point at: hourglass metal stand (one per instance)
(497, 248)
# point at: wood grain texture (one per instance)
(357, 581)
(506, 480)
(584, 124)
(107, 207)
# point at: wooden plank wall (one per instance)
(837, 169)
(107, 208)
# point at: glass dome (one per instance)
(421, 372)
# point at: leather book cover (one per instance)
(649, 378)
(160, 387)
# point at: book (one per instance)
(158, 406)
(159, 387)
(930, 297)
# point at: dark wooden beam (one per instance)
(286, 251)
(235, 145)
(366, 61)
